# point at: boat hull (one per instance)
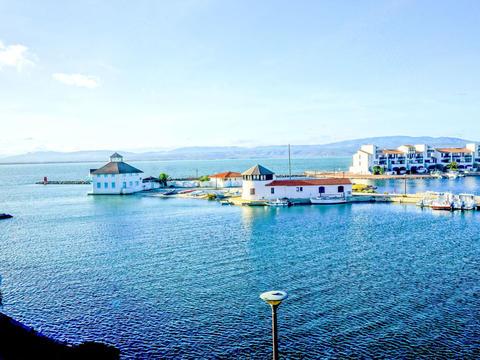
(441, 207)
(327, 201)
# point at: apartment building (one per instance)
(414, 158)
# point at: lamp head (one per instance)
(274, 297)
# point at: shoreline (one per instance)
(18, 341)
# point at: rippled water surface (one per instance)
(175, 278)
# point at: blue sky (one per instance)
(136, 75)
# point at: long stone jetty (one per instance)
(64, 182)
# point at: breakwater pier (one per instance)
(63, 182)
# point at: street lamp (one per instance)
(274, 298)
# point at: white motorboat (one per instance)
(444, 202)
(278, 203)
(328, 199)
(458, 203)
(469, 201)
(452, 175)
(437, 174)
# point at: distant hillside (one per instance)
(342, 148)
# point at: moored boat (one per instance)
(444, 202)
(328, 200)
(469, 201)
(5, 216)
(278, 203)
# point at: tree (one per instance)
(377, 170)
(163, 178)
(203, 178)
(453, 166)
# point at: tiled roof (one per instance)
(227, 174)
(258, 170)
(388, 151)
(454, 150)
(117, 168)
(310, 182)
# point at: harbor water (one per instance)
(181, 278)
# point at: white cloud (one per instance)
(87, 81)
(14, 55)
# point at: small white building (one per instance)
(150, 183)
(260, 183)
(116, 178)
(227, 179)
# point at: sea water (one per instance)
(181, 278)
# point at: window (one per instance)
(340, 189)
(113, 185)
(130, 183)
(124, 184)
(99, 185)
(299, 188)
(136, 183)
(106, 185)
(321, 190)
(272, 190)
(98, 175)
(113, 175)
(105, 175)
(252, 191)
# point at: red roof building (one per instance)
(227, 175)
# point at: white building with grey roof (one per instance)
(116, 178)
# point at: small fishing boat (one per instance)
(445, 201)
(437, 175)
(437, 205)
(458, 204)
(186, 191)
(452, 175)
(226, 202)
(5, 216)
(469, 201)
(278, 203)
(328, 200)
(171, 192)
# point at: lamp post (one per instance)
(274, 298)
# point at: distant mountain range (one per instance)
(341, 148)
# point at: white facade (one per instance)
(267, 187)
(226, 179)
(117, 184)
(256, 190)
(116, 178)
(414, 158)
(309, 188)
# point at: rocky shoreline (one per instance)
(18, 341)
